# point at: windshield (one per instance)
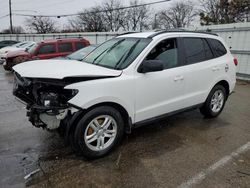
(31, 49)
(28, 45)
(18, 45)
(25, 44)
(117, 53)
(80, 54)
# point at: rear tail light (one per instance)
(235, 61)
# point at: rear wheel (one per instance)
(99, 131)
(215, 102)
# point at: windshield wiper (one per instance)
(126, 54)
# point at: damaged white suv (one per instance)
(127, 81)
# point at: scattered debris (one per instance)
(31, 174)
(241, 160)
(118, 159)
(245, 173)
(218, 138)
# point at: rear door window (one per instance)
(217, 47)
(65, 47)
(47, 49)
(194, 49)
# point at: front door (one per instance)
(161, 92)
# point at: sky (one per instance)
(54, 7)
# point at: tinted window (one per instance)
(208, 51)
(166, 51)
(47, 49)
(218, 48)
(79, 45)
(194, 50)
(65, 47)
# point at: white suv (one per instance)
(127, 81)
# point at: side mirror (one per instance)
(150, 66)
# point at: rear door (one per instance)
(64, 48)
(202, 69)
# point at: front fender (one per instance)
(119, 90)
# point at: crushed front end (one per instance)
(46, 100)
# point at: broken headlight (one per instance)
(57, 99)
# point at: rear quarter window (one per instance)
(217, 47)
(80, 45)
(65, 47)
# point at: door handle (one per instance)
(177, 78)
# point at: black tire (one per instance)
(7, 68)
(83, 124)
(206, 109)
(70, 131)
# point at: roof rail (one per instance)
(63, 37)
(179, 30)
(126, 33)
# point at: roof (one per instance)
(138, 35)
(63, 40)
(153, 34)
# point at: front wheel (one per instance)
(215, 102)
(99, 131)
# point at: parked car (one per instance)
(46, 49)
(5, 43)
(80, 54)
(16, 47)
(126, 82)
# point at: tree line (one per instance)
(112, 16)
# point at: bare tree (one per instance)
(114, 14)
(41, 24)
(224, 11)
(136, 18)
(210, 12)
(89, 20)
(16, 30)
(180, 15)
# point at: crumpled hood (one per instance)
(59, 69)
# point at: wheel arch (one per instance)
(225, 84)
(124, 113)
(120, 108)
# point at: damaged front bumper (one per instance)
(46, 100)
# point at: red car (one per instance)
(46, 49)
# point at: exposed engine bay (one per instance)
(46, 99)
